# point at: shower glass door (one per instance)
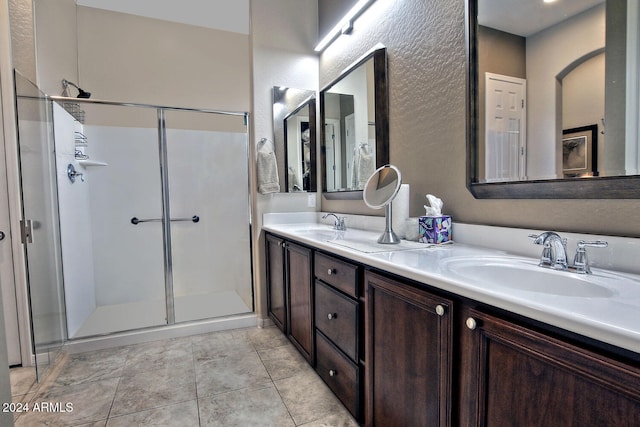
(122, 256)
(41, 237)
(208, 194)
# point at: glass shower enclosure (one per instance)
(139, 214)
(155, 227)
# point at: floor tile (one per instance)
(184, 414)
(307, 397)
(243, 408)
(234, 372)
(219, 344)
(90, 403)
(158, 355)
(343, 419)
(153, 389)
(245, 377)
(92, 366)
(283, 362)
(23, 380)
(270, 337)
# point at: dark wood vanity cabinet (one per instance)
(290, 292)
(339, 329)
(276, 285)
(408, 354)
(400, 353)
(512, 375)
(298, 261)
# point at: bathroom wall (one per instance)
(131, 58)
(427, 66)
(56, 44)
(23, 51)
(283, 35)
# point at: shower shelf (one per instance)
(87, 162)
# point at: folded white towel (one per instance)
(365, 168)
(267, 165)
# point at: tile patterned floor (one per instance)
(246, 377)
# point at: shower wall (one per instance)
(75, 225)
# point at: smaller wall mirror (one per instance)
(355, 126)
(294, 129)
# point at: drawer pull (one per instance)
(333, 373)
(440, 310)
(471, 323)
(331, 271)
(332, 316)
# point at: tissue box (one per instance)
(434, 229)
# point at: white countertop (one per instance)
(614, 319)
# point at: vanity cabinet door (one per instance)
(408, 354)
(276, 289)
(514, 376)
(299, 277)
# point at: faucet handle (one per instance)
(581, 262)
(594, 244)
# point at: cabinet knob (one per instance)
(471, 323)
(331, 271)
(332, 373)
(440, 310)
(332, 316)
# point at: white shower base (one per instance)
(139, 315)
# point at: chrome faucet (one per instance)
(339, 223)
(554, 252)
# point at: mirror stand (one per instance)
(388, 237)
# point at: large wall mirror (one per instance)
(294, 129)
(553, 99)
(355, 126)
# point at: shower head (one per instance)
(81, 93)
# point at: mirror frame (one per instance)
(311, 103)
(381, 95)
(614, 187)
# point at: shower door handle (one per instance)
(136, 221)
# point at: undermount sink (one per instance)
(525, 275)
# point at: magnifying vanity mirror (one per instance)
(355, 126)
(294, 129)
(553, 99)
(379, 191)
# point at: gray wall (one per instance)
(426, 47)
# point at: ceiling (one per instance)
(225, 15)
(527, 17)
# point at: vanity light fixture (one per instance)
(345, 25)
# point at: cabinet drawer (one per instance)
(337, 318)
(340, 274)
(341, 375)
